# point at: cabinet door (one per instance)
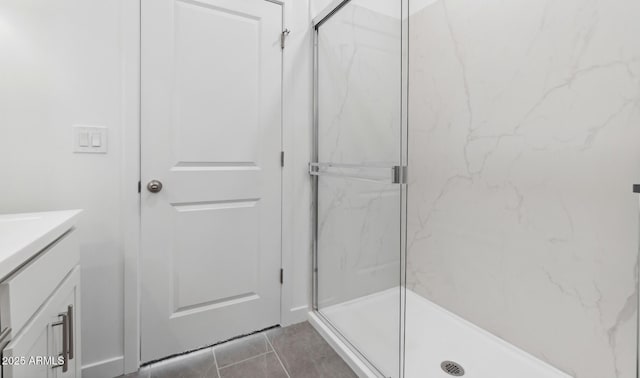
(35, 349)
(34, 342)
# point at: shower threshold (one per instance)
(433, 336)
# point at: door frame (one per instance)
(131, 167)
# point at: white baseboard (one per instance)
(295, 315)
(354, 362)
(110, 368)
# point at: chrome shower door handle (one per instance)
(392, 174)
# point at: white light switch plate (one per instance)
(89, 139)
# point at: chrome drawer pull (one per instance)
(65, 346)
(70, 334)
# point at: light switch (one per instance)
(83, 139)
(96, 140)
(89, 139)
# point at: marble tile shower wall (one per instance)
(359, 114)
(524, 143)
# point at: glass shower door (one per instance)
(358, 178)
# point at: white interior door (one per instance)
(211, 134)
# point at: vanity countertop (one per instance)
(23, 235)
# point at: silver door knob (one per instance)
(154, 186)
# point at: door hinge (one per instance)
(282, 158)
(284, 35)
(399, 174)
(139, 187)
(281, 276)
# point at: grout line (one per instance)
(277, 356)
(268, 344)
(246, 359)
(215, 359)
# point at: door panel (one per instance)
(200, 229)
(206, 84)
(211, 133)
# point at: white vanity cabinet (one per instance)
(40, 311)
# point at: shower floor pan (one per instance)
(434, 335)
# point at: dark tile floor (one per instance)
(297, 351)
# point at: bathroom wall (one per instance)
(63, 63)
(524, 126)
(61, 66)
(298, 111)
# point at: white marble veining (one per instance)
(359, 123)
(359, 87)
(24, 235)
(524, 142)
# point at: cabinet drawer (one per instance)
(27, 289)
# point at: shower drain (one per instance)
(452, 368)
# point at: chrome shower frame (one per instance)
(398, 176)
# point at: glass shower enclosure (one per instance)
(359, 179)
